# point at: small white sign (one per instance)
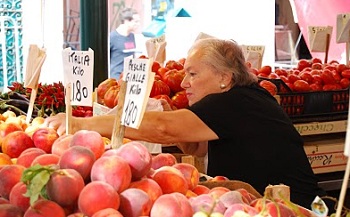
(139, 78)
(318, 36)
(254, 54)
(78, 70)
(343, 28)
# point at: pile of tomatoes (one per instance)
(166, 85)
(310, 75)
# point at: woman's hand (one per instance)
(57, 122)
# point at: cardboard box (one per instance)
(326, 156)
(326, 127)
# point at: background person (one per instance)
(122, 41)
(242, 128)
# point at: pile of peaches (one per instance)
(75, 175)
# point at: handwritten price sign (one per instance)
(137, 73)
(254, 54)
(343, 28)
(319, 37)
(78, 71)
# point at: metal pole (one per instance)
(94, 35)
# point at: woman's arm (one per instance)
(158, 127)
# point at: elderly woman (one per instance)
(245, 132)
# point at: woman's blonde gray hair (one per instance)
(225, 56)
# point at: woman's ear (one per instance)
(226, 78)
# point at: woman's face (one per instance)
(200, 79)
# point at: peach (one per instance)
(27, 156)
(46, 160)
(96, 196)
(79, 158)
(218, 178)
(44, 208)
(247, 196)
(201, 189)
(190, 194)
(138, 158)
(89, 139)
(8, 113)
(172, 205)
(113, 170)
(61, 144)
(10, 210)
(108, 212)
(134, 203)
(6, 128)
(43, 138)
(5, 159)
(10, 176)
(190, 173)
(170, 180)
(149, 186)
(64, 186)
(15, 143)
(218, 191)
(276, 209)
(163, 159)
(206, 203)
(232, 197)
(37, 121)
(233, 208)
(17, 196)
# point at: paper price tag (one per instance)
(156, 48)
(319, 37)
(254, 54)
(78, 71)
(343, 28)
(139, 78)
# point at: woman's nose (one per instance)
(184, 83)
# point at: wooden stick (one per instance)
(68, 109)
(327, 48)
(118, 129)
(31, 104)
(344, 187)
(347, 51)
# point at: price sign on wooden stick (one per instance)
(139, 80)
(78, 80)
(343, 33)
(254, 54)
(36, 58)
(319, 39)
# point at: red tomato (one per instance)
(345, 73)
(269, 86)
(315, 87)
(333, 62)
(329, 87)
(302, 64)
(301, 86)
(111, 97)
(165, 97)
(172, 64)
(159, 87)
(317, 79)
(336, 76)
(265, 70)
(281, 72)
(180, 100)
(263, 75)
(341, 67)
(173, 79)
(344, 83)
(284, 78)
(293, 77)
(290, 85)
(161, 71)
(273, 75)
(327, 77)
(143, 57)
(155, 66)
(306, 76)
(316, 66)
(316, 60)
(330, 67)
(316, 72)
